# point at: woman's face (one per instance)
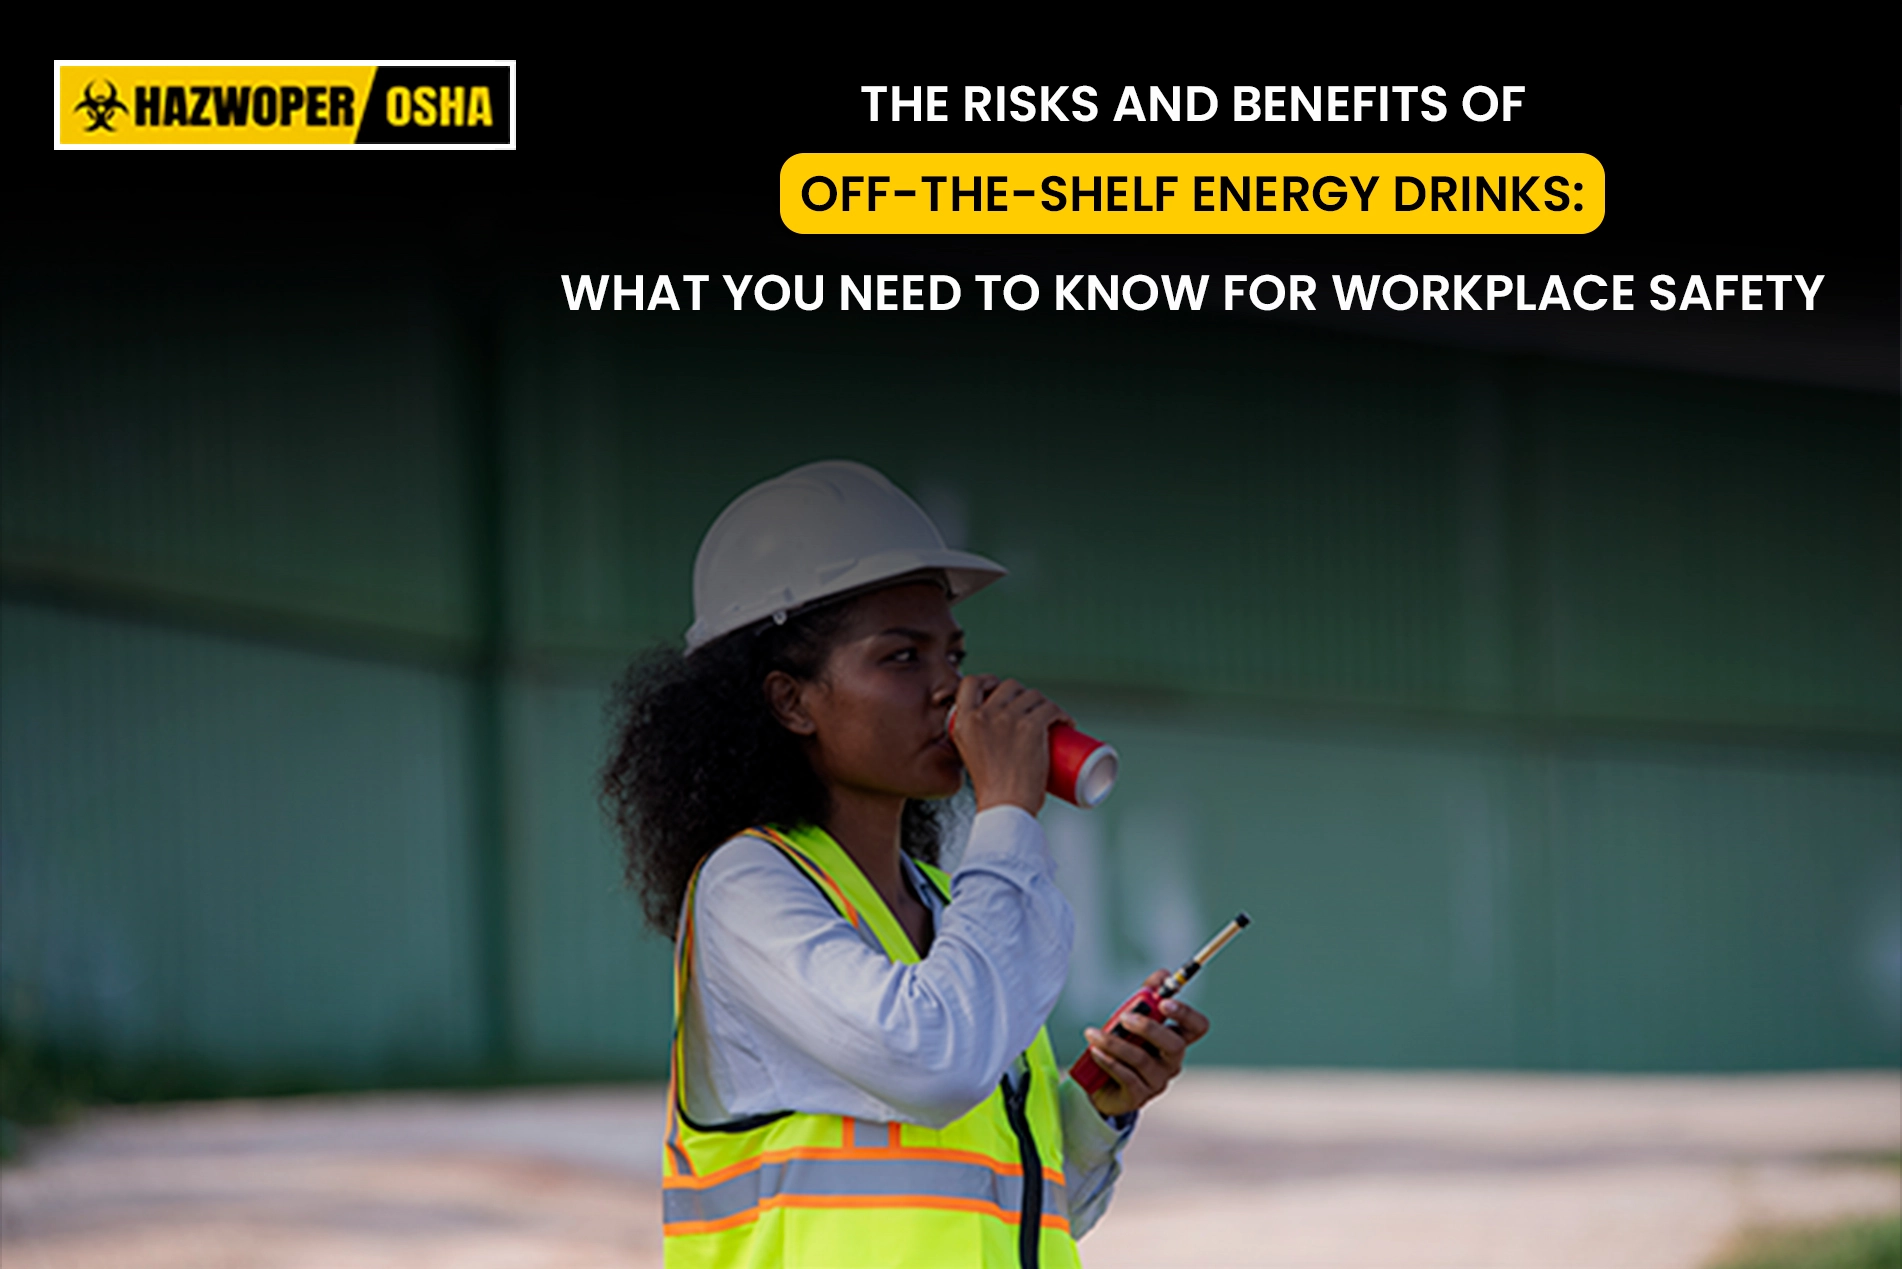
(874, 719)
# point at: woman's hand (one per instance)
(1002, 733)
(1138, 1076)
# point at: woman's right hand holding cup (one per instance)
(1002, 732)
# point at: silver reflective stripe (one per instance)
(866, 1133)
(937, 1178)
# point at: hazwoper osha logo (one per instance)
(276, 105)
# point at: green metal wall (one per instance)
(242, 853)
(1543, 714)
(1431, 897)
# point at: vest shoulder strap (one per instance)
(811, 867)
(937, 876)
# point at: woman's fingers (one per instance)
(972, 689)
(1003, 734)
(992, 694)
(1153, 1069)
(1140, 1073)
(1045, 711)
(1012, 698)
(1167, 1041)
(1127, 1064)
(1194, 1022)
(1042, 710)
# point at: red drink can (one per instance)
(1082, 768)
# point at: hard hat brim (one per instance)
(964, 572)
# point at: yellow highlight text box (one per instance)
(211, 105)
(1192, 193)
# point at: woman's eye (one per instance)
(905, 654)
(957, 656)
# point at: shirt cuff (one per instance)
(999, 833)
(1086, 1131)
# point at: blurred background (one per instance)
(1534, 680)
(1546, 714)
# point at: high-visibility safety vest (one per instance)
(793, 1189)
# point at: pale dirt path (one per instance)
(1382, 1171)
(1307, 1170)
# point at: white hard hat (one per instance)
(817, 532)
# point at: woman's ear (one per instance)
(785, 696)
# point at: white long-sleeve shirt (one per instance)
(793, 1008)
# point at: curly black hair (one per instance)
(697, 755)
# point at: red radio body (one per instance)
(1088, 1075)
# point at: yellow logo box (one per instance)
(403, 105)
(1192, 193)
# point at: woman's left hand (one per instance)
(1136, 1075)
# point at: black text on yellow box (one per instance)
(278, 105)
(1192, 193)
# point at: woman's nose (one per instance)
(945, 690)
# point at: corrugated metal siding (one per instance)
(1393, 641)
(1743, 903)
(232, 853)
(293, 448)
(1386, 528)
(1376, 865)
(1719, 551)
(1425, 898)
(1279, 528)
(594, 988)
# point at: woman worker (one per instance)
(860, 1073)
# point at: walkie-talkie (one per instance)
(1148, 1002)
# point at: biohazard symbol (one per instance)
(101, 108)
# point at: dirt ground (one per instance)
(1231, 1168)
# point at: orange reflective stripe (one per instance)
(677, 1229)
(675, 1155)
(676, 1161)
(843, 1179)
(812, 869)
(682, 1164)
(804, 1175)
(979, 1206)
(691, 1181)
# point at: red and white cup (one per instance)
(1082, 768)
